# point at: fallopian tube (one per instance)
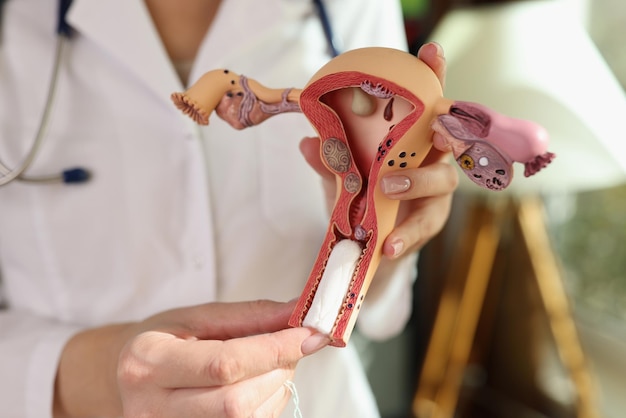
(375, 111)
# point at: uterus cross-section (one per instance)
(363, 121)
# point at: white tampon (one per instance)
(333, 286)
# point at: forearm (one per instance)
(86, 382)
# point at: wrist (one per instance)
(86, 380)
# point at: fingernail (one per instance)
(439, 49)
(398, 246)
(395, 184)
(314, 343)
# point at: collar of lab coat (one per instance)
(125, 30)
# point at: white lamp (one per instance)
(533, 59)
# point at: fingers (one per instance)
(262, 396)
(161, 372)
(432, 54)
(221, 321)
(426, 191)
(162, 375)
(436, 179)
(168, 362)
(310, 149)
(275, 404)
(427, 218)
(441, 143)
(427, 197)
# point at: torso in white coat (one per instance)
(174, 214)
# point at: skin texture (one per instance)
(181, 25)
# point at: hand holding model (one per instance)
(376, 111)
(174, 215)
(215, 359)
(210, 360)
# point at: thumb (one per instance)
(310, 149)
(222, 321)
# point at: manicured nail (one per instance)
(395, 184)
(439, 49)
(398, 246)
(314, 343)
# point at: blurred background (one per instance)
(539, 328)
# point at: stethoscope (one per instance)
(70, 175)
(77, 175)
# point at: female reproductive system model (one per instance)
(375, 110)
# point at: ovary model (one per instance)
(375, 110)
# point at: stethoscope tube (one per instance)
(72, 175)
(331, 39)
(78, 174)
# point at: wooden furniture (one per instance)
(464, 321)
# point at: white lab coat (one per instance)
(175, 214)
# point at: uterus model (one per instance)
(376, 111)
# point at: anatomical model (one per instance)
(375, 110)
